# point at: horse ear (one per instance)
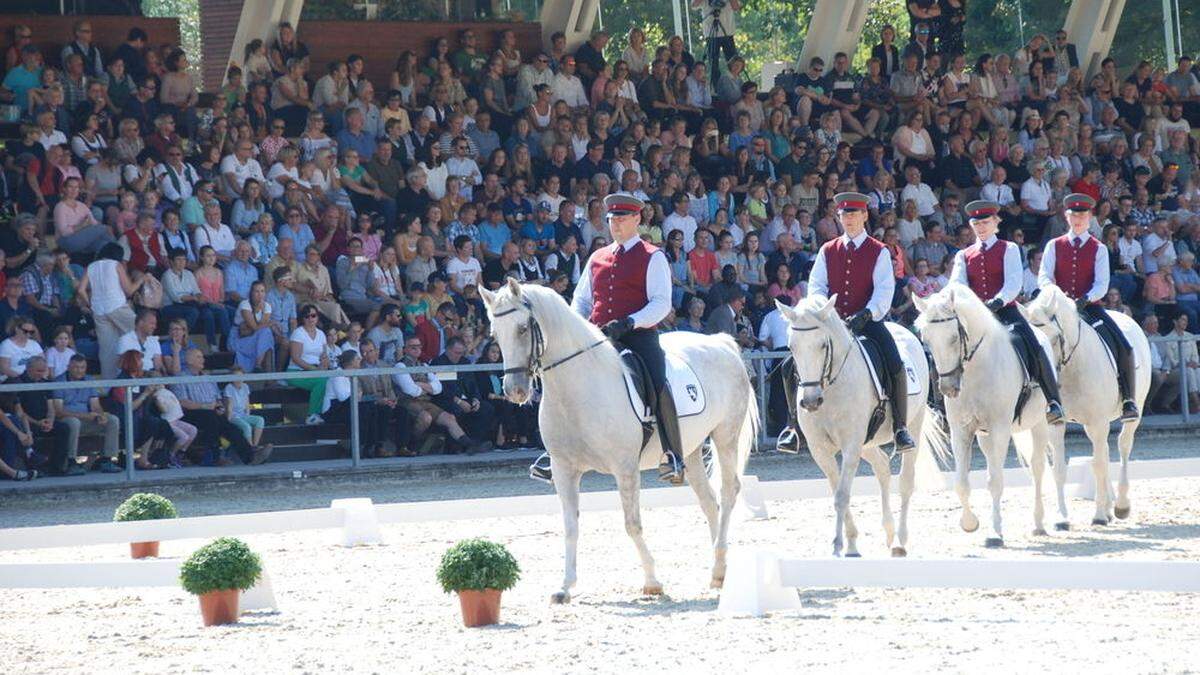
(950, 296)
(786, 310)
(514, 287)
(827, 309)
(488, 296)
(920, 303)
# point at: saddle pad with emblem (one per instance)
(685, 387)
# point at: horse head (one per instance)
(516, 331)
(1051, 312)
(817, 334)
(942, 331)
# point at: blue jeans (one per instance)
(214, 318)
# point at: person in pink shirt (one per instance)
(74, 225)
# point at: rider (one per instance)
(992, 268)
(858, 268)
(1078, 264)
(626, 290)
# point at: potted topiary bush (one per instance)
(479, 571)
(218, 572)
(145, 506)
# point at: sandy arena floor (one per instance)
(378, 609)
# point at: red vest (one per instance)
(1075, 268)
(619, 281)
(851, 275)
(140, 252)
(985, 270)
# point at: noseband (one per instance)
(966, 354)
(828, 377)
(534, 369)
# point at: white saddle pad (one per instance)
(685, 387)
(914, 387)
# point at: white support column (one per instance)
(260, 18)
(836, 26)
(1091, 26)
(575, 18)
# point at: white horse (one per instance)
(978, 373)
(835, 405)
(588, 424)
(1088, 384)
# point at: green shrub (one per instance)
(477, 564)
(220, 565)
(145, 506)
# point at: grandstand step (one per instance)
(299, 433)
(307, 452)
(277, 394)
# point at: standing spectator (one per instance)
(106, 288)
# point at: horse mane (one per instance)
(966, 305)
(1052, 299)
(811, 306)
(558, 321)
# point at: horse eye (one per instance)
(522, 329)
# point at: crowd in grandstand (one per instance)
(304, 217)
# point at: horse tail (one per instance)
(933, 451)
(1023, 440)
(748, 433)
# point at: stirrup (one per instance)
(671, 469)
(540, 469)
(1129, 411)
(903, 440)
(1054, 413)
(788, 441)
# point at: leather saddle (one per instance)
(879, 377)
(1026, 359)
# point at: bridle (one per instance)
(533, 369)
(1061, 338)
(828, 377)
(965, 354)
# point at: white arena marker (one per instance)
(359, 524)
(1085, 480)
(260, 596)
(750, 500)
(774, 579)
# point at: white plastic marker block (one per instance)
(753, 585)
(751, 501)
(1085, 480)
(360, 525)
(260, 596)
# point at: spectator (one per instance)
(79, 410)
(419, 390)
(150, 432)
(142, 340)
(203, 408)
(106, 288)
(463, 398)
(1184, 364)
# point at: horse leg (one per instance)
(1125, 445)
(841, 498)
(908, 483)
(1098, 434)
(823, 455)
(726, 440)
(1037, 463)
(566, 484)
(628, 484)
(1058, 445)
(996, 448)
(960, 442)
(882, 466)
(696, 477)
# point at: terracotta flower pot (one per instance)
(143, 549)
(220, 607)
(480, 608)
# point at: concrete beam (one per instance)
(260, 19)
(836, 26)
(575, 18)
(1091, 26)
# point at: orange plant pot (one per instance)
(220, 607)
(143, 549)
(479, 608)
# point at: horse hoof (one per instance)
(716, 583)
(899, 552)
(993, 542)
(560, 598)
(652, 589)
(969, 525)
(1121, 513)
(1100, 521)
(856, 554)
(1039, 532)
(1063, 526)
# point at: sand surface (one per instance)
(378, 608)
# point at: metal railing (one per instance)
(758, 362)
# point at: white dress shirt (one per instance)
(658, 289)
(882, 277)
(1099, 283)
(685, 224)
(1002, 194)
(568, 88)
(1013, 273)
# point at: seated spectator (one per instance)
(253, 338)
(338, 401)
(203, 408)
(419, 390)
(462, 397)
(186, 301)
(142, 339)
(393, 420)
(215, 234)
(355, 282)
(308, 352)
(150, 432)
(314, 287)
(75, 226)
(237, 409)
(20, 347)
(40, 420)
(79, 410)
(43, 294)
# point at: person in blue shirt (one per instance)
(565, 226)
(355, 136)
(494, 233)
(540, 229)
(25, 76)
(240, 274)
(517, 209)
(296, 229)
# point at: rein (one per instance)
(967, 354)
(828, 378)
(1062, 338)
(537, 347)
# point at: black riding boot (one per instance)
(789, 438)
(1129, 409)
(904, 442)
(1043, 373)
(671, 469)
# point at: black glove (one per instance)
(995, 304)
(859, 320)
(617, 328)
(1081, 303)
